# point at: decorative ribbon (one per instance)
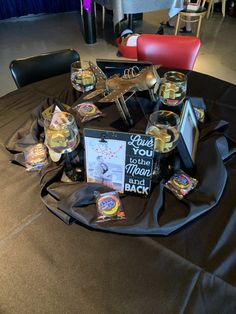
(87, 5)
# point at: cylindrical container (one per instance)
(164, 126)
(173, 88)
(61, 132)
(82, 76)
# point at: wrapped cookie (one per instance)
(35, 157)
(88, 111)
(181, 184)
(109, 206)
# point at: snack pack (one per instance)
(200, 114)
(35, 157)
(109, 206)
(181, 184)
(88, 111)
(199, 108)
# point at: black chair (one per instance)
(36, 68)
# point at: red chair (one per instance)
(169, 51)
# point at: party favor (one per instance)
(88, 111)
(35, 157)
(109, 206)
(181, 184)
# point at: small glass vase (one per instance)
(61, 132)
(62, 137)
(82, 76)
(163, 125)
(173, 88)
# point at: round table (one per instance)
(50, 267)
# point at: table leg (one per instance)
(132, 18)
(89, 26)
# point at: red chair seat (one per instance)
(169, 51)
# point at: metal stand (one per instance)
(124, 111)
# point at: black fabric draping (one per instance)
(47, 266)
(151, 215)
(16, 8)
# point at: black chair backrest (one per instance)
(36, 68)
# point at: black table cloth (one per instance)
(47, 266)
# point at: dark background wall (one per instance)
(15, 8)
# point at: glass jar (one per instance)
(173, 88)
(82, 76)
(61, 132)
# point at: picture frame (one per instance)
(189, 136)
(119, 160)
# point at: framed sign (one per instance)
(189, 135)
(123, 161)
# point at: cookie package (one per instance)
(109, 206)
(181, 184)
(88, 111)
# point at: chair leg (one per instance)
(223, 7)
(199, 25)
(114, 27)
(103, 16)
(212, 7)
(81, 7)
(210, 4)
(177, 24)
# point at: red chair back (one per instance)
(169, 51)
